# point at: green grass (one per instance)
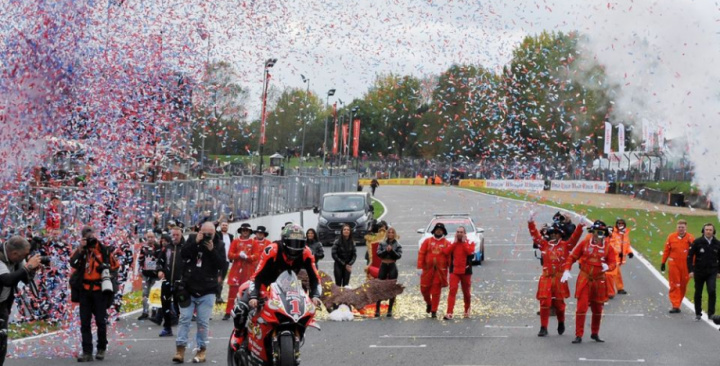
(294, 162)
(649, 229)
(673, 187)
(378, 209)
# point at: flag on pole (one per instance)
(356, 137)
(336, 133)
(345, 130)
(621, 139)
(608, 138)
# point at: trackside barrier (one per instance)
(395, 181)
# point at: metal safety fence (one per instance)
(183, 201)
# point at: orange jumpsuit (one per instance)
(591, 286)
(620, 241)
(551, 292)
(675, 254)
(461, 255)
(434, 265)
(242, 269)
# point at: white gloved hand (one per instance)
(531, 218)
(243, 255)
(566, 276)
(605, 267)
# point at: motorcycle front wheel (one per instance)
(287, 350)
(233, 359)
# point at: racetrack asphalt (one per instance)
(501, 331)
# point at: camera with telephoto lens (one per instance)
(105, 279)
(45, 260)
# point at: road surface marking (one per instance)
(440, 337)
(509, 326)
(383, 346)
(630, 315)
(511, 259)
(521, 280)
(639, 360)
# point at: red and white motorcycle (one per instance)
(276, 329)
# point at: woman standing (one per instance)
(314, 244)
(344, 255)
(389, 251)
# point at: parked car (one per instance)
(452, 221)
(338, 209)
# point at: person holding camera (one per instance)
(171, 269)
(204, 257)
(148, 259)
(14, 267)
(93, 263)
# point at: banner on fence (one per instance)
(579, 186)
(516, 185)
(476, 183)
(394, 182)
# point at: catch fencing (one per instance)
(186, 201)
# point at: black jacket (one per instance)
(171, 261)
(202, 266)
(11, 280)
(344, 252)
(317, 250)
(704, 257)
(151, 257)
(395, 253)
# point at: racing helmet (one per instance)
(293, 240)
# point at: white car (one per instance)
(452, 222)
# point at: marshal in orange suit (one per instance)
(675, 255)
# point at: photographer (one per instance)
(13, 269)
(204, 257)
(171, 269)
(148, 258)
(92, 262)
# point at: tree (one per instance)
(391, 114)
(294, 110)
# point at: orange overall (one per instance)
(675, 255)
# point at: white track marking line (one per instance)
(441, 337)
(383, 346)
(509, 326)
(583, 359)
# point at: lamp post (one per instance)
(330, 93)
(268, 64)
(332, 154)
(307, 116)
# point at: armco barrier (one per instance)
(395, 181)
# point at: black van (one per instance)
(338, 209)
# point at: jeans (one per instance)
(204, 306)
(342, 275)
(148, 283)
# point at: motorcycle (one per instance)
(275, 330)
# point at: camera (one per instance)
(105, 279)
(91, 242)
(45, 260)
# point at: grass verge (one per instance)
(378, 209)
(649, 229)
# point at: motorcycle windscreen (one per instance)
(289, 290)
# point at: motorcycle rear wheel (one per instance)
(287, 350)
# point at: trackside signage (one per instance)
(578, 186)
(516, 185)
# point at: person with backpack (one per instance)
(93, 262)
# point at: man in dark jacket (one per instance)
(702, 262)
(204, 257)
(171, 264)
(13, 269)
(90, 260)
(148, 258)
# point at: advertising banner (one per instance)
(578, 186)
(516, 185)
(356, 137)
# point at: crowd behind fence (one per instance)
(185, 201)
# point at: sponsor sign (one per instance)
(578, 186)
(516, 185)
